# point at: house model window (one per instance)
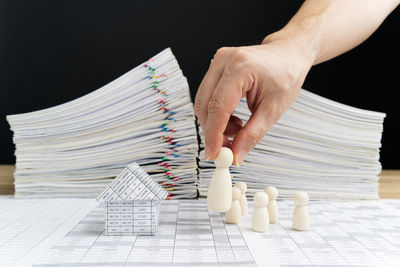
(132, 203)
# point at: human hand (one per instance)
(268, 75)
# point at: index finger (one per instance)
(208, 85)
(223, 102)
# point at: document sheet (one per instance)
(29, 227)
(362, 233)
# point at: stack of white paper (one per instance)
(326, 148)
(76, 148)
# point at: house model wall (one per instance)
(132, 203)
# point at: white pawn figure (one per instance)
(301, 216)
(219, 195)
(260, 222)
(273, 211)
(243, 200)
(233, 215)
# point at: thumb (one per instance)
(253, 131)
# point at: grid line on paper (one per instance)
(116, 193)
(172, 247)
(133, 183)
(176, 230)
(360, 243)
(133, 189)
(32, 224)
(130, 251)
(229, 240)
(382, 236)
(141, 182)
(215, 245)
(40, 229)
(297, 245)
(363, 245)
(241, 234)
(44, 238)
(334, 248)
(19, 218)
(294, 241)
(133, 214)
(87, 251)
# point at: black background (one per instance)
(55, 51)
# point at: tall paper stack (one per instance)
(76, 148)
(326, 148)
(329, 149)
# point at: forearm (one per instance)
(324, 29)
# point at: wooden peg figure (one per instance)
(301, 216)
(234, 213)
(260, 220)
(243, 200)
(273, 211)
(219, 195)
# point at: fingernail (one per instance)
(235, 160)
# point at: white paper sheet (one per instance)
(362, 233)
(29, 227)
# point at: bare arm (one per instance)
(271, 74)
(332, 27)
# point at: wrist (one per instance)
(303, 37)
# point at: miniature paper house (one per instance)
(132, 203)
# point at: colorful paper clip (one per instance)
(162, 101)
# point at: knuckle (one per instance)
(238, 63)
(216, 105)
(255, 136)
(235, 69)
(198, 107)
(275, 111)
(285, 87)
(222, 51)
(239, 55)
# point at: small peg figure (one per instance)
(273, 211)
(260, 222)
(233, 215)
(243, 200)
(301, 216)
(219, 195)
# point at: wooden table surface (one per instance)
(389, 183)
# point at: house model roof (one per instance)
(133, 183)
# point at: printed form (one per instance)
(56, 232)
